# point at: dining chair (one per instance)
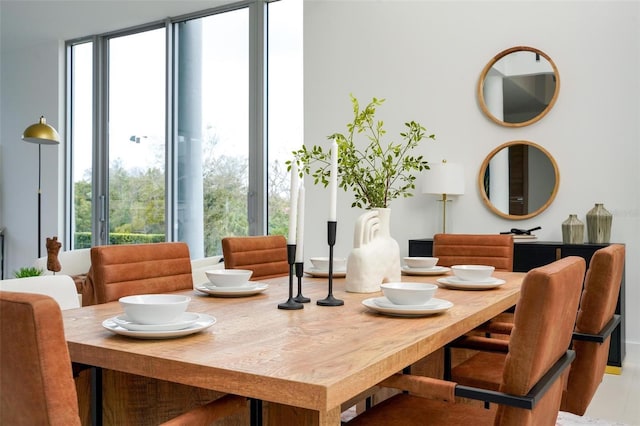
(534, 372)
(474, 249)
(60, 287)
(36, 376)
(265, 255)
(595, 322)
(124, 270)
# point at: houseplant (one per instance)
(28, 271)
(376, 173)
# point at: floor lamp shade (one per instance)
(444, 179)
(42, 134)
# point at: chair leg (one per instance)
(255, 412)
(96, 396)
(447, 363)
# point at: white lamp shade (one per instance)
(444, 178)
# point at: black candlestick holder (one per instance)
(291, 303)
(331, 239)
(299, 273)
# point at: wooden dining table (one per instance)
(306, 363)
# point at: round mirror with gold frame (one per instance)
(518, 86)
(518, 180)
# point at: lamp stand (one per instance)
(444, 213)
(39, 199)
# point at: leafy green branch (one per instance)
(376, 174)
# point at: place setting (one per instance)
(231, 283)
(407, 299)
(157, 316)
(471, 277)
(320, 267)
(422, 266)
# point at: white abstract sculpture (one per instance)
(375, 257)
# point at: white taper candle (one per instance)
(300, 226)
(293, 204)
(333, 182)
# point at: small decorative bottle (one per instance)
(599, 224)
(573, 230)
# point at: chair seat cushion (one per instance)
(416, 411)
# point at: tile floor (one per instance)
(617, 400)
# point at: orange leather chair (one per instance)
(36, 377)
(538, 356)
(123, 270)
(474, 249)
(265, 255)
(591, 338)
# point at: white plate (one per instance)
(324, 273)
(383, 302)
(233, 291)
(437, 306)
(436, 270)
(455, 280)
(205, 321)
(250, 286)
(467, 285)
(183, 321)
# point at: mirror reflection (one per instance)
(518, 86)
(518, 180)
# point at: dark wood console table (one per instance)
(529, 255)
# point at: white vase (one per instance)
(375, 257)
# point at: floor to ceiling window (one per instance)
(136, 137)
(80, 156)
(178, 123)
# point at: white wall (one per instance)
(425, 58)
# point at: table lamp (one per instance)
(42, 134)
(445, 179)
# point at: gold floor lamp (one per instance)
(42, 134)
(444, 179)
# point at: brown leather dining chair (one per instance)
(474, 249)
(36, 376)
(595, 321)
(265, 255)
(534, 372)
(123, 270)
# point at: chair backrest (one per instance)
(265, 255)
(60, 287)
(35, 378)
(597, 307)
(543, 325)
(124, 270)
(72, 262)
(474, 249)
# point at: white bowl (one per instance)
(229, 277)
(420, 262)
(407, 293)
(322, 263)
(472, 272)
(154, 308)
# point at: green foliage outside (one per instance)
(137, 202)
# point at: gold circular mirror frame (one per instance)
(483, 77)
(483, 181)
